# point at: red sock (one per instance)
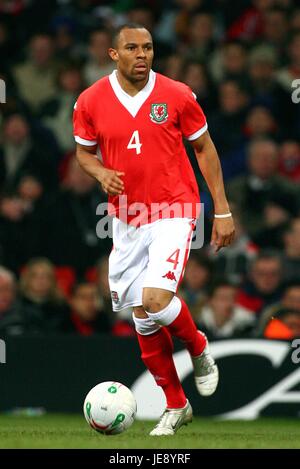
(157, 355)
(185, 329)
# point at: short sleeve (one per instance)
(192, 119)
(84, 132)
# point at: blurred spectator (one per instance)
(291, 255)
(64, 35)
(20, 222)
(99, 63)
(86, 317)
(263, 287)
(173, 66)
(265, 89)
(275, 27)
(37, 73)
(291, 295)
(7, 46)
(200, 37)
(68, 227)
(295, 20)
(264, 199)
(287, 74)
(233, 263)
(7, 292)
(12, 320)
(285, 326)
(40, 293)
(21, 153)
(16, 206)
(260, 123)
(57, 113)
(229, 63)
(188, 9)
(262, 61)
(124, 325)
(226, 124)
(289, 160)
(103, 285)
(290, 300)
(197, 78)
(249, 26)
(141, 14)
(222, 317)
(197, 276)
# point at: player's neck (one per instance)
(131, 88)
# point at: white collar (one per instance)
(132, 103)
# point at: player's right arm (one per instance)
(85, 135)
(109, 179)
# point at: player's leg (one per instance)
(157, 353)
(176, 317)
(127, 268)
(167, 309)
(169, 249)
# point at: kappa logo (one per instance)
(159, 113)
(170, 276)
(115, 297)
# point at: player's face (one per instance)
(133, 54)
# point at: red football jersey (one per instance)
(142, 136)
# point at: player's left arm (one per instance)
(210, 166)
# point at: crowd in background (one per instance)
(241, 58)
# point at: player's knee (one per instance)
(154, 300)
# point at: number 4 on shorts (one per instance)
(134, 142)
(174, 258)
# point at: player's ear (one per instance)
(113, 54)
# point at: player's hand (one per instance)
(222, 233)
(111, 181)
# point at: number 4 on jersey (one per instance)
(174, 258)
(134, 142)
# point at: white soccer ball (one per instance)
(110, 408)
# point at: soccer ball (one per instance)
(110, 408)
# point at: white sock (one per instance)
(167, 315)
(145, 326)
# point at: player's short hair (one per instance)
(117, 31)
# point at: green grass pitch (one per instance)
(71, 431)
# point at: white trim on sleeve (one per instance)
(82, 141)
(198, 133)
